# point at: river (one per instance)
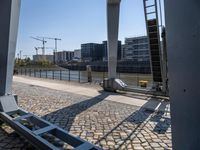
(131, 79)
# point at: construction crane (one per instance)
(17, 55)
(20, 54)
(56, 41)
(43, 43)
(36, 49)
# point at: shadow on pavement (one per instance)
(10, 140)
(138, 120)
(70, 112)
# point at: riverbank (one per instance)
(130, 79)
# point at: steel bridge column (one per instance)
(9, 16)
(183, 45)
(113, 9)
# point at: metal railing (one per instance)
(132, 79)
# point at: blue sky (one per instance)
(75, 21)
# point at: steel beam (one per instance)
(113, 9)
(183, 45)
(9, 16)
(35, 137)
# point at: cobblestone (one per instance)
(108, 124)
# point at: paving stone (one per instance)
(154, 145)
(108, 124)
(138, 148)
(110, 143)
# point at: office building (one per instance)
(123, 52)
(136, 49)
(77, 54)
(91, 52)
(63, 56)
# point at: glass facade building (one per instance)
(91, 52)
(136, 49)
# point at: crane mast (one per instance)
(56, 42)
(43, 43)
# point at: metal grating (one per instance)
(35, 129)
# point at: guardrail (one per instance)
(83, 76)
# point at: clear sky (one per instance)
(75, 22)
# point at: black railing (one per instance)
(132, 79)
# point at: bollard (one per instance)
(89, 72)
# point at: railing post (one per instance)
(53, 74)
(79, 76)
(137, 79)
(46, 74)
(69, 75)
(40, 73)
(34, 72)
(60, 74)
(25, 71)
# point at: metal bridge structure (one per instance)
(182, 44)
(153, 31)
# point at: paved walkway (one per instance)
(93, 91)
(109, 120)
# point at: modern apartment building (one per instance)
(91, 52)
(136, 49)
(77, 54)
(123, 52)
(63, 56)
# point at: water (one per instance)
(131, 79)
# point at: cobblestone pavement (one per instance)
(108, 124)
